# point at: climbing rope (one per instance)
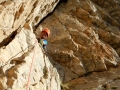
(33, 45)
(45, 71)
(31, 67)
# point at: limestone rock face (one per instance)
(109, 30)
(19, 13)
(23, 66)
(16, 60)
(84, 37)
(108, 80)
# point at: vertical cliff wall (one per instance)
(85, 38)
(83, 47)
(23, 66)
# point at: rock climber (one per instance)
(43, 38)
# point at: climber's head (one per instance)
(45, 33)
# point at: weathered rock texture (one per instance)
(20, 52)
(85, 37)
(20, 13)
(19, 48)
(108, 80)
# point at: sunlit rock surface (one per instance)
(23, 66)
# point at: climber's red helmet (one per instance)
(45, 33)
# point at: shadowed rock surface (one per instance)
(76, 42)
(85, 38)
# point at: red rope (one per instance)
(31, 67)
